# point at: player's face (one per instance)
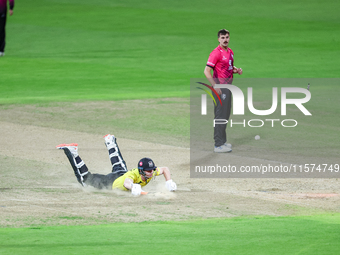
(149, 173)
(224, 40)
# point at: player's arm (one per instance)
(136, 189)
(170, 184)
(11, 6)
(165, 171)
(207, 72)
(237, 70)
(128, 183)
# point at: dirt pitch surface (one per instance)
(38, 187)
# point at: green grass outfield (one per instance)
(82, 50)
(62, 50)
(245, 235)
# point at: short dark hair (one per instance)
(222, 32)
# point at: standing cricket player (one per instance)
(120, 177)
(221, 62)
(3, 18)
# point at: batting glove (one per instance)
(136, 189)
(171, 185)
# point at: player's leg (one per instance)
(219, 129)
(2, 32)
(78, 165)
(116, 158)
(85, 177)
(226, 108)
(101, 181)
(222, 112)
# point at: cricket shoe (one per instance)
(72, 147)
(2, 54)
(222, 148)
(228, 145)
(79, 168)
(110, 141)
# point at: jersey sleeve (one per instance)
(213, 59)
(157, 172)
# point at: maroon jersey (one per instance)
(3, 5)
(222, 61)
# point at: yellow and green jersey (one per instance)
(135, 176)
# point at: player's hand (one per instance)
(136, 190)
(10, 12)
(219, 91)
(171, 185)
(239, 71)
